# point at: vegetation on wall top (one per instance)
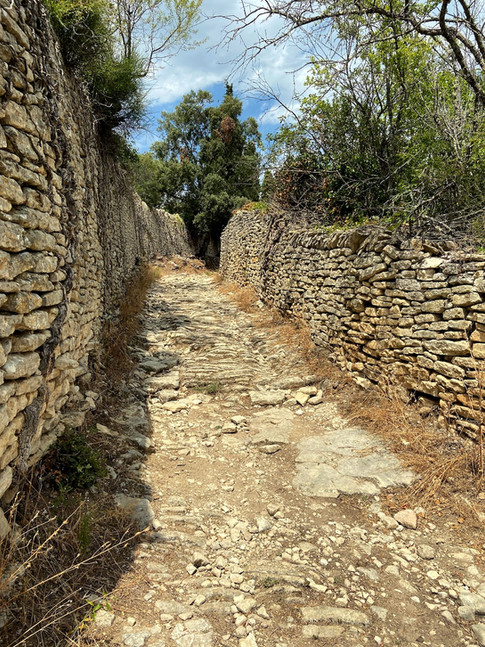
(393, 124)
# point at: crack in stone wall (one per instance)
(402, 313)
(72, 231)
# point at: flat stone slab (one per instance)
(169, 381)
(271, 427)
(347, 461)
(479, 633)
(194, 633)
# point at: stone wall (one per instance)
(402, 313)
(71, 232)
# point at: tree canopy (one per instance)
(393, 123)
(206, 165)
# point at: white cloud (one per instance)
(210, 63)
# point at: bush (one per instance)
(74, 464)
(86, 42)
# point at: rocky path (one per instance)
(264, 505)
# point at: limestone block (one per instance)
(6, 477)
(9, 453)
(11, 190)
(450, 385)
(9, 323)
(52, 298)
(24, 343)
(11, 265)
(4, 526)
(29, 385)
(369, 272)
(37, 200)
(40, 240)
(44, 263)
(4, 419)
(478, 351)
(448, 348)
(5, 207)
(30, 281)
(40, 123)
(18, 116)
(478, 317)
(31, 218)
(478, 335)
(449, 370)
(22, 174)
(467, 299)
(408, 285)
(13, 28)
(479, 284)
(22, 302)
(8, 287)
(7, 391)
(21, 143)
(38, 320)
(21, 365)
(431, 263)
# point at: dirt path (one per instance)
(265, 505)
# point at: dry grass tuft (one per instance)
(445, 463)
(244, 297)
(118, 333)
(216, 277)
(64, 552)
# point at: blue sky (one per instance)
(209, 65)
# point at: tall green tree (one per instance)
(207, 163)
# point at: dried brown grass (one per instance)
(64, 549)
(119, 332)
(444, 462)
(244, 297)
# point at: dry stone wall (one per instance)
(71, 232)
(402, 313)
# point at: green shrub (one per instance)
(82, 29)
(115, 82)
(74, 463)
